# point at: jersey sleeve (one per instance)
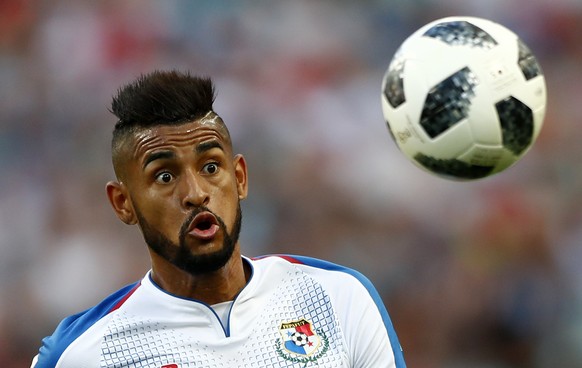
(370, 332)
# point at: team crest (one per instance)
(300, 343)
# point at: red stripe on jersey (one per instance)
(283, 256)
(290, 259)
(124, 299)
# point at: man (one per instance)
(203, 304)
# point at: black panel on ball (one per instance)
(517, 124)
(461, 33)
(527, 62)
(453, 168)
(448, 102)
(394, 86)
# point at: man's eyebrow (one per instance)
(159, 155)
(208, 145)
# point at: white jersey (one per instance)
(294, 312)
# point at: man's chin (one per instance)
(203, 263)
(200, 247)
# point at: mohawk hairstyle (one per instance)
(158, 98)
(162, 97)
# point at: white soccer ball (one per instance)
(299, 338)
(464, 98)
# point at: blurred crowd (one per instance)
(478, 274)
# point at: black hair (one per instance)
(159, 98)
(162, 97)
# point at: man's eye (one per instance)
(164, 178)
(210, 168)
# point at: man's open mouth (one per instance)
(204, 226)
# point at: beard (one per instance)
(180, 255)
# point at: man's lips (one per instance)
(204, 226)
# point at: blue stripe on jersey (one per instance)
(308, 261)
(74, 326)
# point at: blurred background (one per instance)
(478, 274)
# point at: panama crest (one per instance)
(300, 343)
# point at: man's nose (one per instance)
(195, 193)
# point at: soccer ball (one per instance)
(464, 98)
(299, 338)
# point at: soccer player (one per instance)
(202, 303)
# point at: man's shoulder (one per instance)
(312, 262)
(77, 323)
(319, 269)
(354, 299)
(72, 327)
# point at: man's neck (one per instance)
(212, 288)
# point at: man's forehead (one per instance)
(210, 124)
(210, 121)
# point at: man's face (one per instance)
(185, 187)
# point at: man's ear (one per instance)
(240, 171)
(120, 201)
